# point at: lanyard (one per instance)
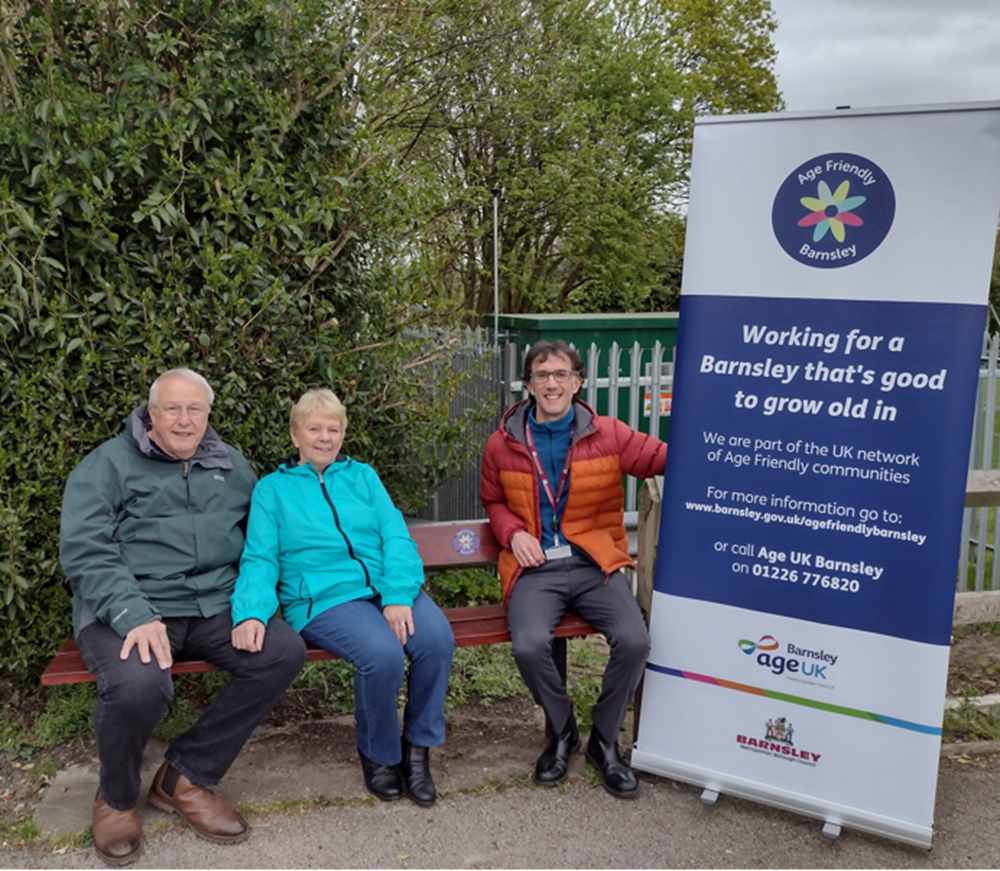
(553, 500)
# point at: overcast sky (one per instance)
(887, 52)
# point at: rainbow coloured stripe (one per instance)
(796, 700)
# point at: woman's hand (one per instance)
(400, 620)
(249, 636)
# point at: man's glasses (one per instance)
(171, 409)
(561, 376)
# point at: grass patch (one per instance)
(43, 768)
(179, 718)
(12, 731)
(970, 723)
(67, 714)
(19, 831)
(331, 682)
(487, 674)
(588, 658)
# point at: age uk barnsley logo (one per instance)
(833, 210)
(794, 661)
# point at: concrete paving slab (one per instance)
(65, 805)
(313, 762)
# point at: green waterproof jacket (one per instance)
(144, 535)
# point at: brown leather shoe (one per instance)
(210, 815)
(117, 834)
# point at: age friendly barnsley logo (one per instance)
(833, 210)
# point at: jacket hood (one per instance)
(212, 452)
(515, 420)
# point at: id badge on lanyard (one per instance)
(558, 550)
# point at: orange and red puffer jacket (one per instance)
(602, 449)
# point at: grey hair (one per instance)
(182, 372)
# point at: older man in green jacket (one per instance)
(152, 530)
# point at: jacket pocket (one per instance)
(317, 585)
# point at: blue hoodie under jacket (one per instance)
(315, 542)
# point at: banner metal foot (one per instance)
(709, 797)
(831, 831)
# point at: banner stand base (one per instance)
(709, 797)
(832, 815)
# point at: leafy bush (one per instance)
(456, 588)
(193, 187)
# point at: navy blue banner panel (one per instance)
(822, 441)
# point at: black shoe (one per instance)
(416, 771)
(382, 781)
(553, 765)
(618, 778)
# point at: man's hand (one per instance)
(400, 620)
(249, 635)
(148, 637)
(526, 549)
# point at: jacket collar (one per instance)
(515, 420)
(212, 452)
(304, 470)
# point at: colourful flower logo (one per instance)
(766, 642)
(831, 211)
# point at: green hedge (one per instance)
(191, 184)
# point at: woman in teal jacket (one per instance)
(325, 542)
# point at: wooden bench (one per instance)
(446, 545)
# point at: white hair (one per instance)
(190, 375)
(319, 400)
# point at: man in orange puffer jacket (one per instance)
(551, 482)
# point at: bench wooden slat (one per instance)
(449, 544)
(475, 626)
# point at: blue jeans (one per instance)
(357, 632)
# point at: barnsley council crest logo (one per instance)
(833, 210)
(780, 729)
(778, 742)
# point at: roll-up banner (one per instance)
(834, 299)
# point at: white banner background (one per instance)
(705, 697)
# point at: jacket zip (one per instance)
(186, 475)
(347, 541)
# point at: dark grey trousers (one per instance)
(132, 696)
(540, 598)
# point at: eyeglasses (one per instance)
(561, 376)
(172, 409)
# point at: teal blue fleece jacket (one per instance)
(315, 542)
